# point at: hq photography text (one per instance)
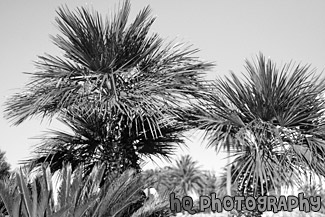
(263, 203)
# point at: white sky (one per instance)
(225, 31)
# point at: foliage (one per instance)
(91, 142)
(222, 183)
(314, 189)
(182, 178)
(116, 86)
(272, 121)
(76, 195)
(187, 174)
(210, 183)
(4, 166)
(162, 177)
(25, 199)
(4, 174)
(155, 207)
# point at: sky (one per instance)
(226, 31)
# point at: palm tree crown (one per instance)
(186, 174)
(116, 86)
(111, 68)
(272, 121)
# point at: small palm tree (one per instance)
(116, 86)
(275, 120)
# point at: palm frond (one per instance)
(108, 65)
(155, 207)
(120, 196)
(95, 139)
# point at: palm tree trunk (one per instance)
(229, 167)
(228, 175)
(249, 189)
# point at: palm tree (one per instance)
(117, 87)
(164, 181)
(210, 183)
(187, 175)
(275, 120)
(312, 189)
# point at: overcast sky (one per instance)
(226, 32)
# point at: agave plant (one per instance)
(29, 199)
(77, 196)
(116, 86)
(274, 120)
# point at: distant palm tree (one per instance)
(187, 175)
(275, 120)
(210, 183)
(117, 87)
(311, 189)
(164, 180)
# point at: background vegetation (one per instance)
(126, 94)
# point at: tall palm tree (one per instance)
(116, 86)
(275, 118)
